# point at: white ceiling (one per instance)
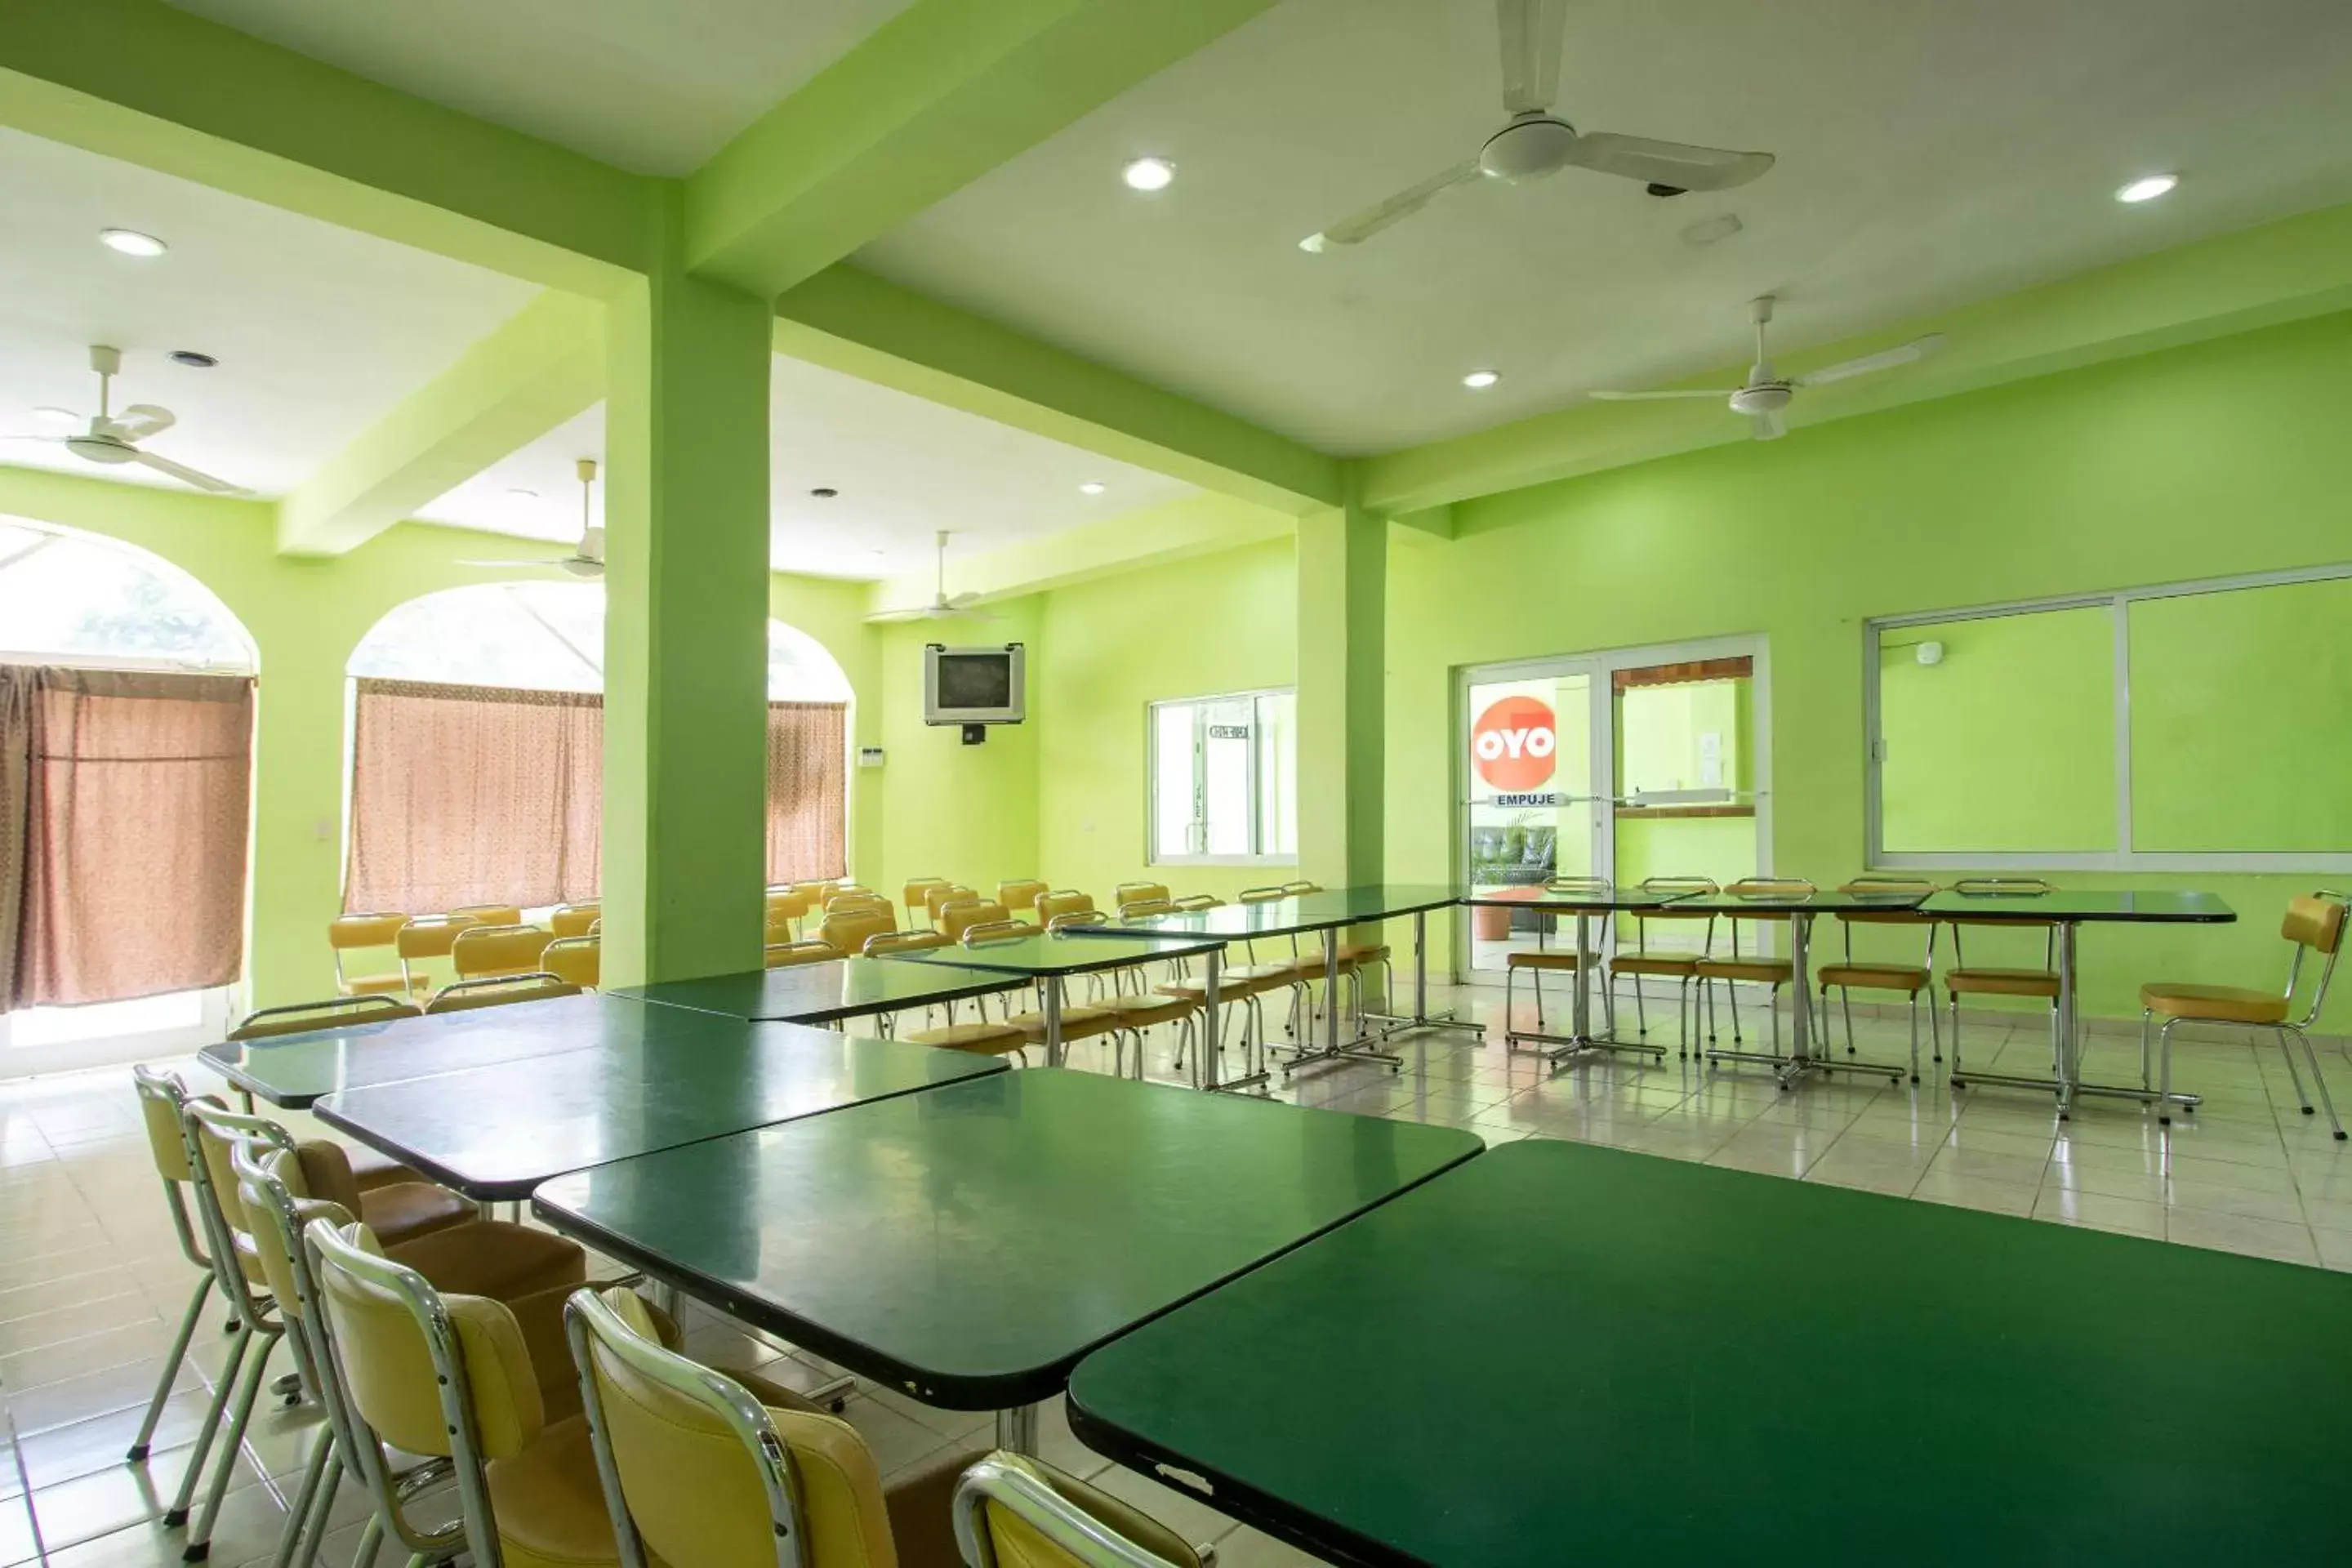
(904, 467)
(318, 330)
(652, 88)
(1929, 153)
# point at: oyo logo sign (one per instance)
(1512, 742)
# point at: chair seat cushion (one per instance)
(990, 1038)
(393, 984)
(1077, 1024)
(1363, 953)
(491, 1257)
(1764, 971)
(2001, 982)
(1230, 987)
(405, 1210)
(1142, 1012)
(1909, 979)
(371, 1169)
(2221, 1004)
(1545, 958)
(922, 1511)
(1283, 973)
(549, 1504)
(1653, 964)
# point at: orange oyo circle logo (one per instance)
(1512, 742)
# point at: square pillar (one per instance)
(1342, 680)
(686, 651)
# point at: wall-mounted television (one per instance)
(971, 686)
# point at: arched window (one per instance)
(478, 767)
(126, 743)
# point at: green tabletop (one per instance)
(495, 1132)
(1563, 1353)
(1319, 911)
(293, 1070)
(969, 1244)
(1078, 950)
(2134, 906)
(1565, 902)
(824, 993)
(1826, 902)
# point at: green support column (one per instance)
(685, 541)
(1342, 676)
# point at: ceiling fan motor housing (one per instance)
(1764, 397)
(1530, 147)
(98, 449)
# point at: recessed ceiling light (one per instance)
(1479, 380)
(824, 492)
(1149, 173)
(57, 415)
(131, 242)
(1709, 230)
(519, 493)
(193, 360)
(2147, 188)
(1091, 487)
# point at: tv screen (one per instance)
(973, 685)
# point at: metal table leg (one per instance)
(1802, 1059)
(1581, 1041)
(1422, 1017)
(1053, 1020)
(1358, 1049)
(1016, 1429)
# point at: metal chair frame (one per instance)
(2299, 1027)
(1016, 1484)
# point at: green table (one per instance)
(824, 992)
(1565, 1352)
(967, 1245)
(1584, 903)
(495, 1132)
(293, 1070)
(1049, 957)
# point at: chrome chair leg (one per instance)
(172, 1362)
(177, 1514)
(1914, 1032)
(2146, 1062)
(297, 1509)
(199, 1546)
(1845, 1005)
(2164, 1072)
(2318, 1082)
(1955, 1074)
(1535, 979)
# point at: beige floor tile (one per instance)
(2021, 1170)
(1976, 1193)
(1180, 1511)
(2133, 1216)
(1246, 1548)
(2335, 1248)
(2233, 1233)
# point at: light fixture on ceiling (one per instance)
(519, 493)
(54, 416)
(131, 242)
(1149, 173)
(193, 360)
(1092, 488)
(824, 492)
(1480, 380)
(2147, 188)
(1711, 230)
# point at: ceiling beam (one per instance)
(1149, 536)
(848, 319)
(933, 98)
(542, 366)
(2289, 270)
(144, 82)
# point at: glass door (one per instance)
(1530, 813)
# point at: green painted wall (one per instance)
(2220, 458)
(305, 617)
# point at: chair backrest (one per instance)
(431, 936)
(1143, 909)
(1868, 885)
(1580, 886)
(443, 1376)
(487, 950)
(787, 954)
(1014, 1511)
(987, 931)
(214, 1133)
(1265, 895)
(1069, 901)
(938, 897)
(1127, 893)
(163, 1112)
(1019, 893)
(1295, 890)
(779, 927)
(1200, 901)
(848, 929)
(1994, 888)
(574, 960)
(696, 1470)
(789, 903)
(498, 990)
(957, 919)
(336, 1012)
(1695, 886)
(1069, 917)
(574, 920)
(492, 914)
(347, 931)
(2314, 922)
(905, 941)
(917, 888)
(858, 901)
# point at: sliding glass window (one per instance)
(1225, 789)
(2189, 726)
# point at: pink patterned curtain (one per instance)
(807, 791)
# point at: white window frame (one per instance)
(1151, 781)
(2124, 859)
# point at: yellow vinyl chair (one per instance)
(574, 920)
(1014, 1511)
(1052, 905)
(1019, 893)
(787, 907)
(847, 928)
(424, 939)
(490, 914)
(917, 891)
(957, 919)
(1128, 893)
(1198, 902)
(1666, 962)
(789, 954)
(1357, 956)
(1543, 960)
(336, 1013)
(162, 1109)
(366, 933)
(498, 990)
(497, 953)
(985, 1037)
(936, 898)
(1962, 978)
(574, 960)
(2315, 924)
(1909, 981)
(1753, 967)
(701, 1467)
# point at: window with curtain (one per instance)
(477, 767)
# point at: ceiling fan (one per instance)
(113, 439)
(588, 561)
(942, 606)
(1537, 142)
(1767, 392)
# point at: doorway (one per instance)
(1627, 764)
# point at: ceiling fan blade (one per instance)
(892, 617)
(1768, 426)
(141, 420)
(1531, 32)
(1902, 354)
(182, 472)
(1362, 225)
(1675, 163)
(506, 566)
(1719, 393)
(957, 604)
(53, 441)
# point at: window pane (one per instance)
(2007, 743)
(531, 637)
(62, 594)
(2238, 701)
(1172, 780)
(1225, 748)
(1277, 780)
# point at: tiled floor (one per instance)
(92, 1282)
